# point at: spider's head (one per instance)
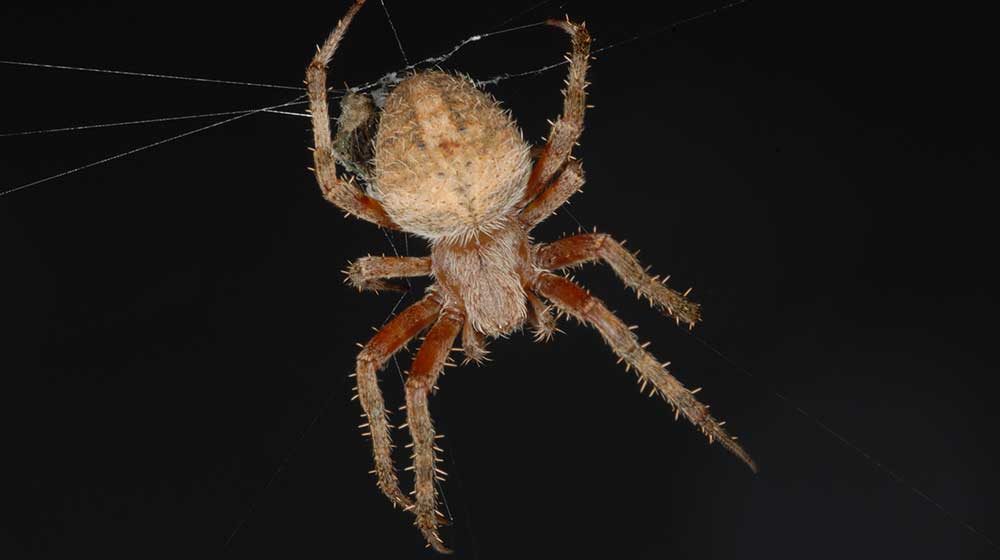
(449, 162)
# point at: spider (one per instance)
(442, 160)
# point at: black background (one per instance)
(176, 330)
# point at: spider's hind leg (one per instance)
(424, 372)
(577, 302)
(373, 356)
(586, 247)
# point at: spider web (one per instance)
(381, 85)
(376, 88)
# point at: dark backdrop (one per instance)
(177, 338)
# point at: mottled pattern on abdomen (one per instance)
(449, 161)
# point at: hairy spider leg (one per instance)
(588, 247)
(344, 194)
(577, 302)
(543, 324)
(422, 380)
(566, 184)
(373, 273)
(474, 345)
(390, 338)
(567, 128)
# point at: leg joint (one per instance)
(418, 384)
(367, 360)
(600, 240)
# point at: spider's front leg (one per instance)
(566, 184)
(400, 330)
(587, 247)
(577, 302)
(372, 273)
(424, 372)
(567, 128)
(344, 194)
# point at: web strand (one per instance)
(871, 459)
(395, 77)
(671, 26)
(149, 121)
(126, 153)
(523, 12)
(388, 78)
(392, 77)
(147, 75)
(395, 33)
(281, 467)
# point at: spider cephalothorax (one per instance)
(441, 160)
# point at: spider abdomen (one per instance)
(449, 162)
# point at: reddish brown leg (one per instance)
(344, 194)
(473, 345)
(541, 320)
(566, 184)
(372, 273)
(373, 356)
(566, 130)
(575, 301)
(423, 376)
(588, 247)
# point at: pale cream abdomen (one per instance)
(449, 161)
